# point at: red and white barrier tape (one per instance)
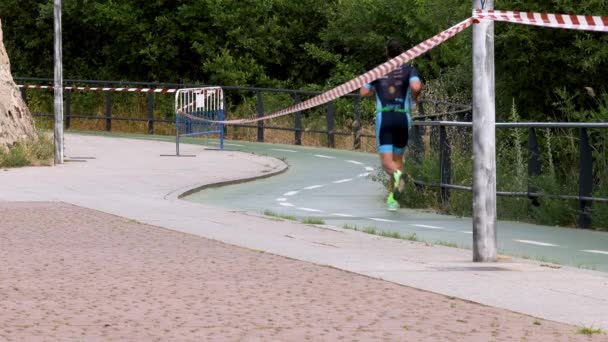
(577, 22)
(135, 90)
(368, 77)
(565, 21)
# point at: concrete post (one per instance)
(484, 139)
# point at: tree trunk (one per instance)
(16, 122)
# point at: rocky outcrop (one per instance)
(16, 122)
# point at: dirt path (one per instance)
(68, 273)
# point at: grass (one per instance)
(312, 220)
(37, 151)
(590, 331)
(375, 231)
(280, 216)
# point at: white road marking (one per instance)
(427, 226)
(369, 168)
(281, 199)
(285, 204)
(354, 162)
(227, 144)
(311, 210)
(381, 220)
(595, 251)
(313, 187)
(538, 243)
(282, 150)
(342, 181)
(290, 193)
(363, 174)
(466, 232)
(322, 156)
(343, 215)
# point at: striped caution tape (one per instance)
(565, 21)
(133, 90)
(359, 81)
(577, 22)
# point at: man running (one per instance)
(394, 93)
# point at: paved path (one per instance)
(335, 186)
(128, 178)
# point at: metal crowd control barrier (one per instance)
(193, 104)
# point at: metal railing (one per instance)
(585, 196)
(330, 131)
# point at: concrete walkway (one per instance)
(129, 178)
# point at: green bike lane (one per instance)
(336, 186)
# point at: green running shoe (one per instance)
(391, 203)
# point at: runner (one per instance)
(395, 92)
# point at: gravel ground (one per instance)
(68, 273)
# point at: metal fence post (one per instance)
(150, 113)
(534, 164)
(357, 124)
(445, 165)
(585, 180)
(260, 109)
(68, 108)
(108, 111)
(297, 122)
(330, 125)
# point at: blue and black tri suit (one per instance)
(393, 120)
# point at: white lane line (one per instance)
(427, 226)
(281, 199)
(595, 251)
(538, 243)
(342, 215)
(227, 144)
(343, 181)
(381, 220)
(354, 162)
(282, 150)
(311, 210)
(285, 204)
(466, 232)
(290, 193)
(313, 187)
(369, 168)
(363, 174)
(323, 156)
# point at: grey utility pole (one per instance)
(484, 139)
(58, 132)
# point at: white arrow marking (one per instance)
(282, 150)
(342, 215)
(314, 187)
(538, 243)
(381, 220)
(311, 210)
(427, 226)
(595, 251)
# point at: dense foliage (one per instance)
(305, 44)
